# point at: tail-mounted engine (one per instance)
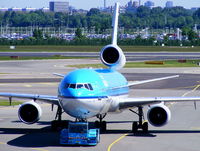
(159, 115)
(113, 57)
(29, 112)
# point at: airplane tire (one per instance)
(97, 124)
(103, 126)
(134, 127)
(58, 125)
(54, 125)
(145, 127)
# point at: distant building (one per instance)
(195, 8)
(15, 9)
(104, 4)
(169, 4)
(132, 6)
(3, 9)
(28, 9)
(135, 4)
(149, 4)
(59, 6)
(45, 9)
(140, 3)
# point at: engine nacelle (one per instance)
(159, 115)
(29, 112)
(113, 57)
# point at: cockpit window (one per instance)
(79, 86)
(86, 86)
(72, 86)
(67, 85)
(90, 86)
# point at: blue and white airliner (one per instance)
(86, 93)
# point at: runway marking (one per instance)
(40, 149)
(27, 85)
(197, 86)
(193, 86)
(17, 106)
(195, 128)
(117, 140)
(48, 83)
(8, 107)
(186, 93)
(2, 143)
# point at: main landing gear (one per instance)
(58, 124)
(140, 124)
(101, 124)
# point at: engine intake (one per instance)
(113, 57)
(159, 115)
(29, 112)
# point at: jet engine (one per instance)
(159, 115)
(113, 57)
(29, 112)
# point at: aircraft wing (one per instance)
(44, 98)
(151, 80)
(132, 83)
(135, 102)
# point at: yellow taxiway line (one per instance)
(117, 140)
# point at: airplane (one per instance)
(86, 93)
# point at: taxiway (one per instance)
(181, 134)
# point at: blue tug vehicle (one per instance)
(79, 133)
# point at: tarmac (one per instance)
(182, 133)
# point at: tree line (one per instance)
(155, 18)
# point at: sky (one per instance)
(87, 4)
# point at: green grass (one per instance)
(168, 63)
(39, 58)
(6, 103)
(49, 48)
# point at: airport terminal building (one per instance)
(59, 6)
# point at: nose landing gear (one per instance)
(101, 124)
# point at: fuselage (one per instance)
(85, 93)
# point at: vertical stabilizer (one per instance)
(112, 55)
(115, 24)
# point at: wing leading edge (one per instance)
(135, 102)
(151, 80)
(44, 98)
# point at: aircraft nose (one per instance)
(72, 93)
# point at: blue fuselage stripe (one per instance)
(82, 97)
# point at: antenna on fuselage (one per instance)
(115, 23)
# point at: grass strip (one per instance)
(39, 58)
(7, 103)
(49, 48)
(167, 63)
